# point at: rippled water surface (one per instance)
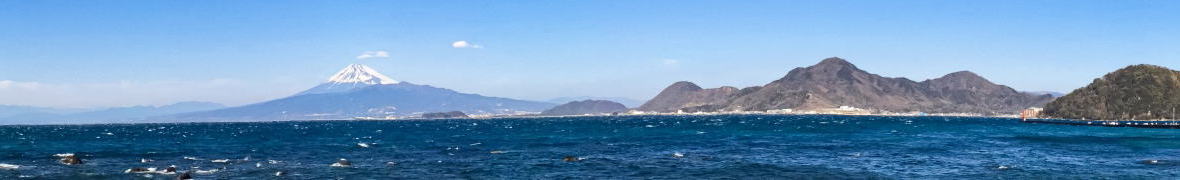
(728, 146)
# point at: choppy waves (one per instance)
(729, 146)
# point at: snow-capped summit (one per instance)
(350, 78)
(359, 73)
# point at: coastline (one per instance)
(1165, 124)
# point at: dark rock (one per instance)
(586, 107)
(184, 176)
(1138, 92)
(137, 170)
(444, 115)
(70, 160)
(570, 159)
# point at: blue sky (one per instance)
(119, 53)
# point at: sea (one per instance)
(604, 147)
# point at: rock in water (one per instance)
(70, 159)
(184, 176)
(586, 107)
(570, 159)
(1138, 92)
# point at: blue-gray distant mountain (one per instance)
(109, 115)
(360, 91)
(14, 110)
(1050, 93)
(621, 100)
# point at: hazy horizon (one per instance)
(127, 53)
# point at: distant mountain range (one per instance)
(835, 82)
(621, 100)
(14, 110)
(1050, 93)
(360, 91)
(110, 115)
(1138, 92)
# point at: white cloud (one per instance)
(670, 62)
(373, 54)
(465, 44)
(132, 93)
(6, 84)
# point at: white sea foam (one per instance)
(220, 160)
(9, 166)
(64, 155)
(341, 163)
(211, 171)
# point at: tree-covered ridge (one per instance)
(1138, 92)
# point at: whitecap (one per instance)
(362, 145)
(341, 164)
(9, 166)
(141, 170)
(211, 171)
(63, 155)
(221, 160)
(1003, 167)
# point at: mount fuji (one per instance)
(361, 91)
(352, 77)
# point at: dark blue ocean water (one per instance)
(727, 146)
